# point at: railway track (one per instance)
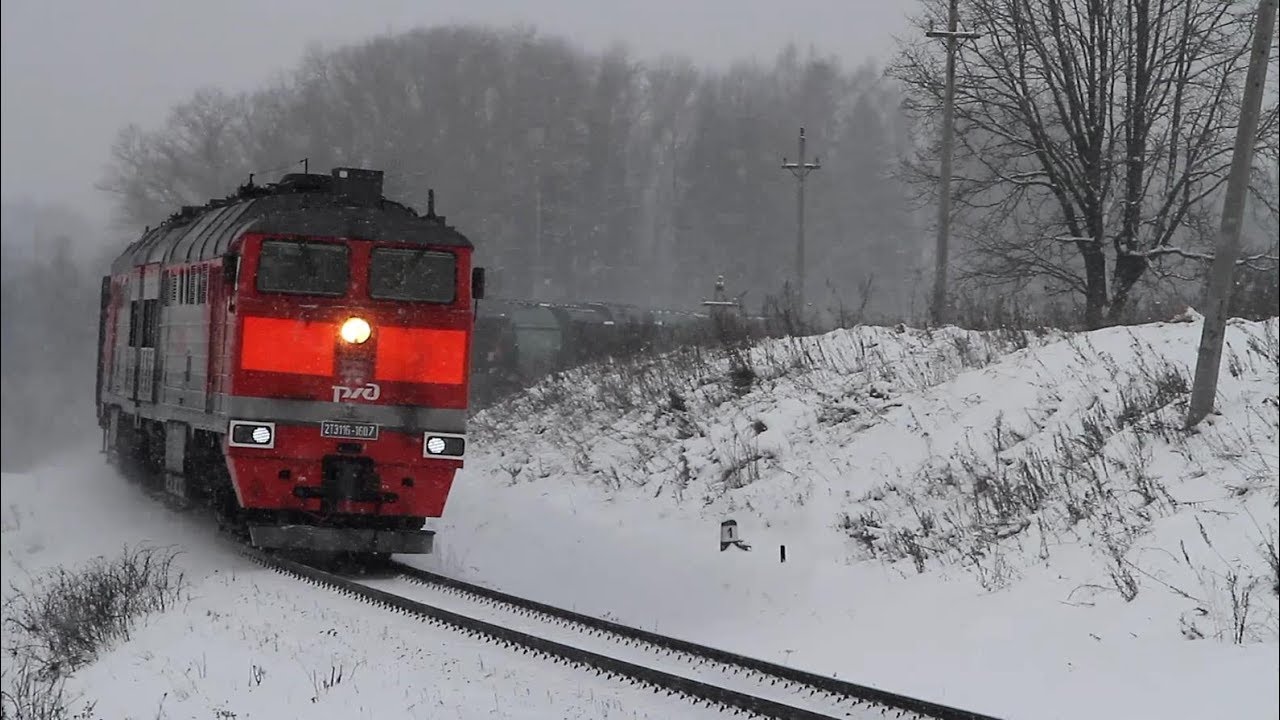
(703, 675)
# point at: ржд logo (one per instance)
(369, 391)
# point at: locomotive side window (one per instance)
(404, 274)
(135, 322)
(286, 266)
(144, 323)
(150, 323)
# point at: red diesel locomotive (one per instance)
(296, 355)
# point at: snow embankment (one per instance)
(1012, 522)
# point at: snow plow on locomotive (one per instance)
(297, 356)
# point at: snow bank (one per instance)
(1012, 522)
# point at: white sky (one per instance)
(74, 72)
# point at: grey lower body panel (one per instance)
(401, 418)
(327, 539)
(404, 418)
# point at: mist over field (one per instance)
(48, 325)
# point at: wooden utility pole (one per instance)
(800, 169)
(1218, 293)
(938, 307)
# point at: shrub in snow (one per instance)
(64, 619)
(28, 695)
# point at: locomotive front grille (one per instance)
(350, 478)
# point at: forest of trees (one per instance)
(579, 176)
(1091, 151)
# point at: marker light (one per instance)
(248, 433)
(355, 330)
(447, 445)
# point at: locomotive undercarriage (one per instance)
(137, 446)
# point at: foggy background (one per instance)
(606, 83)
(624, 151)
(75, 72)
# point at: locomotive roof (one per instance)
(348, 203)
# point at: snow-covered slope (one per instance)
(1010, 522)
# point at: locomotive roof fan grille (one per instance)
(358, 185)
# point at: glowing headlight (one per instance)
(355, 330)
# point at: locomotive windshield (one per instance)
(406, 274)
(304, 268)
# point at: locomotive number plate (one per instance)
(348, 430)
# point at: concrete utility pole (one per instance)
(939, 305)
(1218, 293)
(800, 169)
(537, 139)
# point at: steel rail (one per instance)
(649, 677)
(819, 683)
(658, 680)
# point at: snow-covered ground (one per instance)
(245, 642)
(964, 516)
(1039, 465)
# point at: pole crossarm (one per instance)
(800, 170)
(959, 34)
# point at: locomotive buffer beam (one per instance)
(335, 539)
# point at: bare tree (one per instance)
(1093, 136)
(197, 155)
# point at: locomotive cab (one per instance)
(336, 346)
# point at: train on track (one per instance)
(297, 356)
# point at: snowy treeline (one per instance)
(579, 175)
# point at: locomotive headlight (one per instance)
(246, 433)
(355, 330)
(444, 445)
